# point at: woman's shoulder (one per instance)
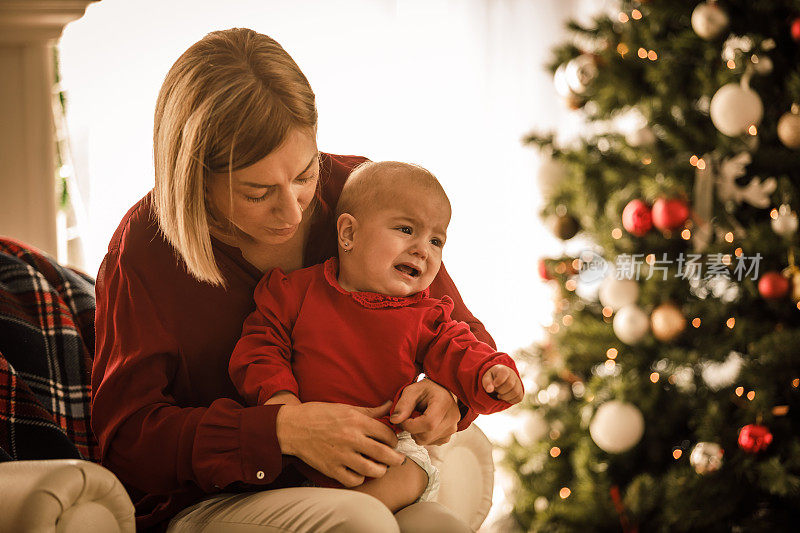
(334, 170)
(138, 239)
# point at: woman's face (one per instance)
(269, 196)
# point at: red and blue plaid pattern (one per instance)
(46, 351)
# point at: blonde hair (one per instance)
(372, 184)
(226, 103)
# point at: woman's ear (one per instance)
(346, 226)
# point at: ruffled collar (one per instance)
(370, 300)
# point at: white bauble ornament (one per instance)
(641, 137)
(617, 426)
(785, 224)
(551, 173)
(706, 457)
(721, 375)
(789, 128)
(560, 82)
(631, 324)
(532, 429)
(709, 20)
(580, 72)
(617, 293)
(734, 108)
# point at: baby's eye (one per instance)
(405, 229)
(437, 242)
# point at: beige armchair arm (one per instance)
(62, 496)
(466, 475)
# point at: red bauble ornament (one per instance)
(669, 213)
(795, 29)
(636, 218)
(754, 438)
(773, 286)
(543, 273)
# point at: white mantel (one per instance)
(29, 30)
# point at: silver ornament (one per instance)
(706, 457)
(560, 82)
(580, 73)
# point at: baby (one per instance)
(358, 329)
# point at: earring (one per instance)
(345, 245)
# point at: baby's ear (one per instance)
(346, 226)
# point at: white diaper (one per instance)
(408, 447)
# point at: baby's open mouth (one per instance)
(409, 270)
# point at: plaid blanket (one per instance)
(46, 350)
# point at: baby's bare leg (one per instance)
(400, 485)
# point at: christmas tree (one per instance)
(666, 396)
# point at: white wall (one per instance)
(451, 85)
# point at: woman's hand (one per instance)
(343, 442)
(439, 420)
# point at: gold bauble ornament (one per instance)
(789, 128)
(667, 322)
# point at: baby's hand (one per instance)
(505, 382)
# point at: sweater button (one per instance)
(260, 474)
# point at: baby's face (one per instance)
(397, 248)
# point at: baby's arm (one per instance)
(260, 365)
(451, 355)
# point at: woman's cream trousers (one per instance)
(311, 509)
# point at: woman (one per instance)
(240, 188)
